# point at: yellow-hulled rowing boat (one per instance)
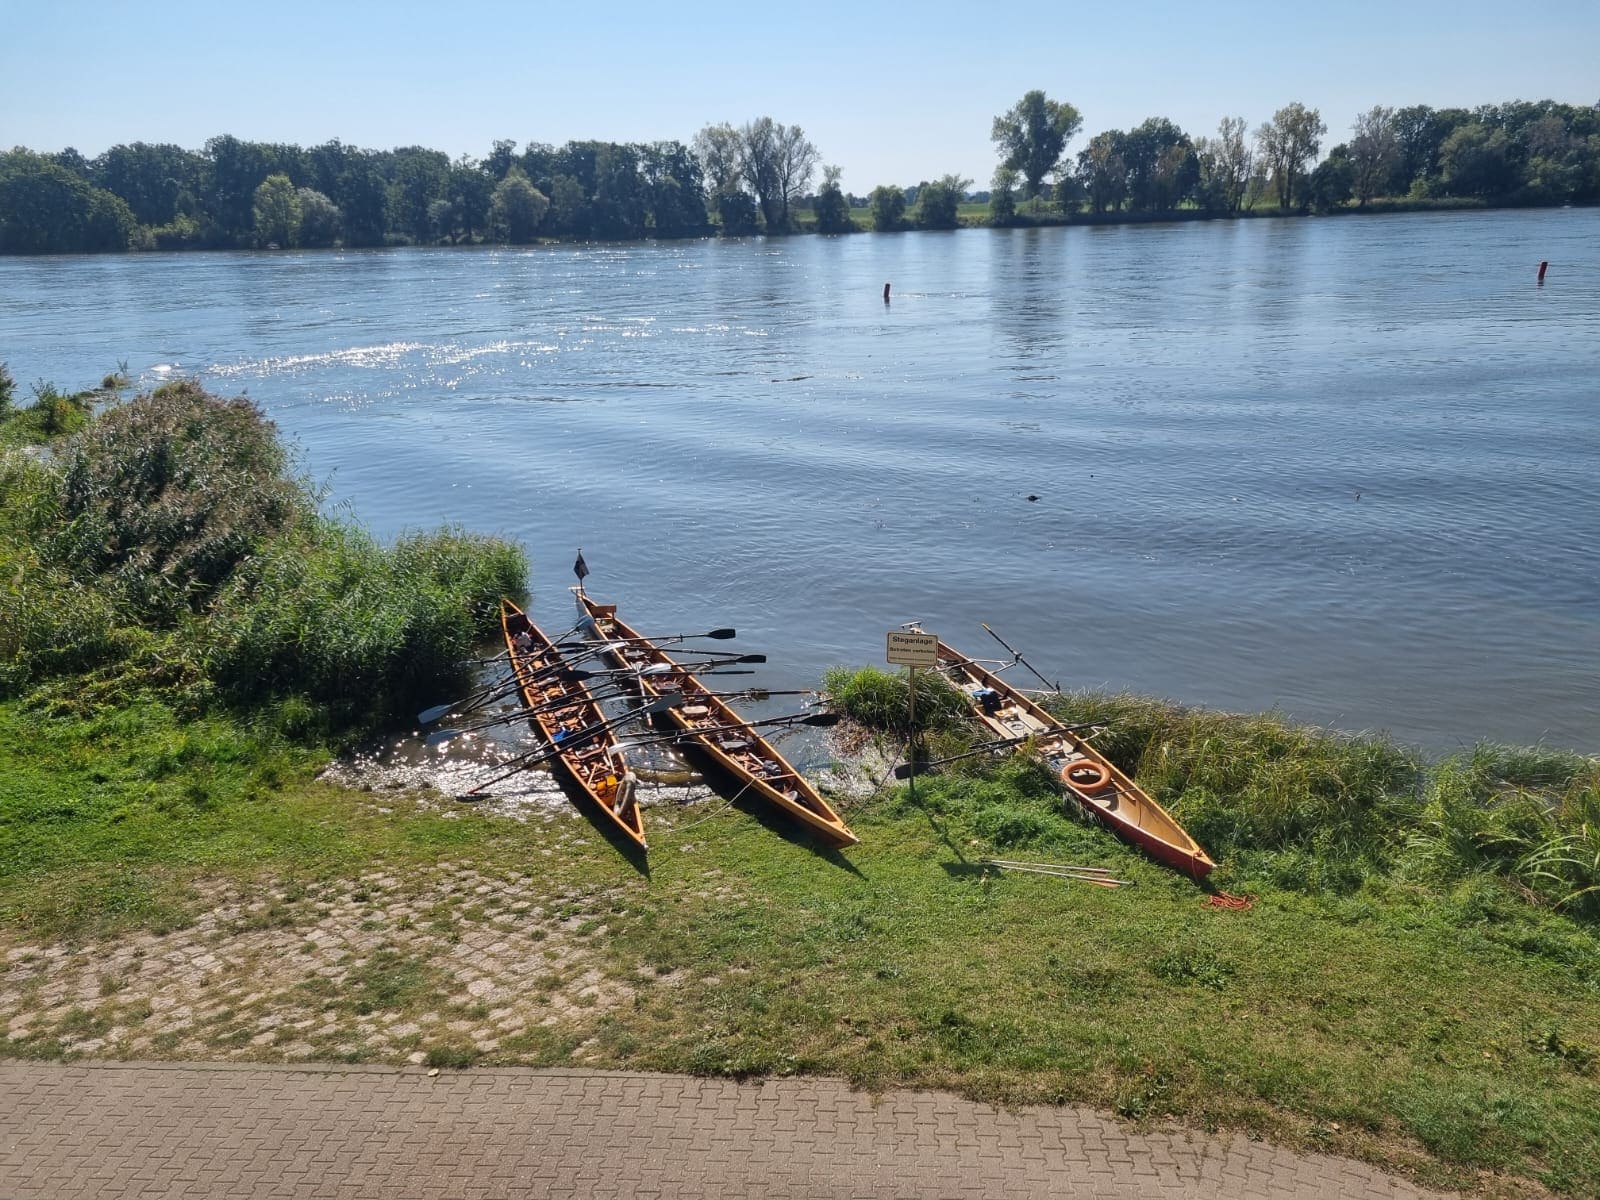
(563, 708)
(713, 726)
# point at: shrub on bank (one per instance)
(167, 548)
(364, 629)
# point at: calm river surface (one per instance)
(1349, 468)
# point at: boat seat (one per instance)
(734, 744)
(695, 710)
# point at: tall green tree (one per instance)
(517, 208)
(470, 192)
(776, 162)
(888, 206)
(276, 208)
(234, 170)
(46, 208)
(418, 177)
(1103, 170)
(674, 189)
(938, 203)
(156, 181)
(1374, 152)
(1477, 161)
(1032, 137)
(1003, 195)
(1288, 142)
(717, 150)
(830, 205)
(320, 221)
(1332, 182)
(1159, 158)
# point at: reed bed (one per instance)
(1281, 804)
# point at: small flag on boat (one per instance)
(580, 568)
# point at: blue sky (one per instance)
(892, 94)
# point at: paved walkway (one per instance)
(176, 1130)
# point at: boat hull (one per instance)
(562, 708)
(711, 725)
(1080, 771)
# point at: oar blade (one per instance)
(439, 736)
(721, 635)
(429, 715)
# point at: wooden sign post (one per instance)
(912, 649)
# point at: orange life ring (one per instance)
(1102, 776)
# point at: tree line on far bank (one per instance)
(758, 178)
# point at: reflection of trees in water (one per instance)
(1026, 288)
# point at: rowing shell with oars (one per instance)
(561, 708)
(713, 726)
(1080, 770)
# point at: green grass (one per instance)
(1439, 1023)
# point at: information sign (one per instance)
(909, 649)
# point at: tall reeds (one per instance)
(170, 541)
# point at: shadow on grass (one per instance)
(743, 797)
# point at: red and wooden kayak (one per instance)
(712, 725)
(1081, 771)
(562, 708)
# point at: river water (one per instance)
(1348, 468)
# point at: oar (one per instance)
(1092, 875)
(748, 658)
(1016, 656)
(467, 703)
(1016, 862)
(493, 692)
(716, 635)
(439, 736)
(903, 771)
(573, 740)
(680, 736)
(653, 670)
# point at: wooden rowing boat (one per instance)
(562, 708)
(712, 725)
(1081, 771)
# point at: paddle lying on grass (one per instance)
(1099, 876)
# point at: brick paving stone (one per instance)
(120, 1131)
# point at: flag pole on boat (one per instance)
(580, 569)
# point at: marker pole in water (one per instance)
(886, 292)
(1542, 268)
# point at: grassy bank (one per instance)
(1385, 996)
(1417, 981)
